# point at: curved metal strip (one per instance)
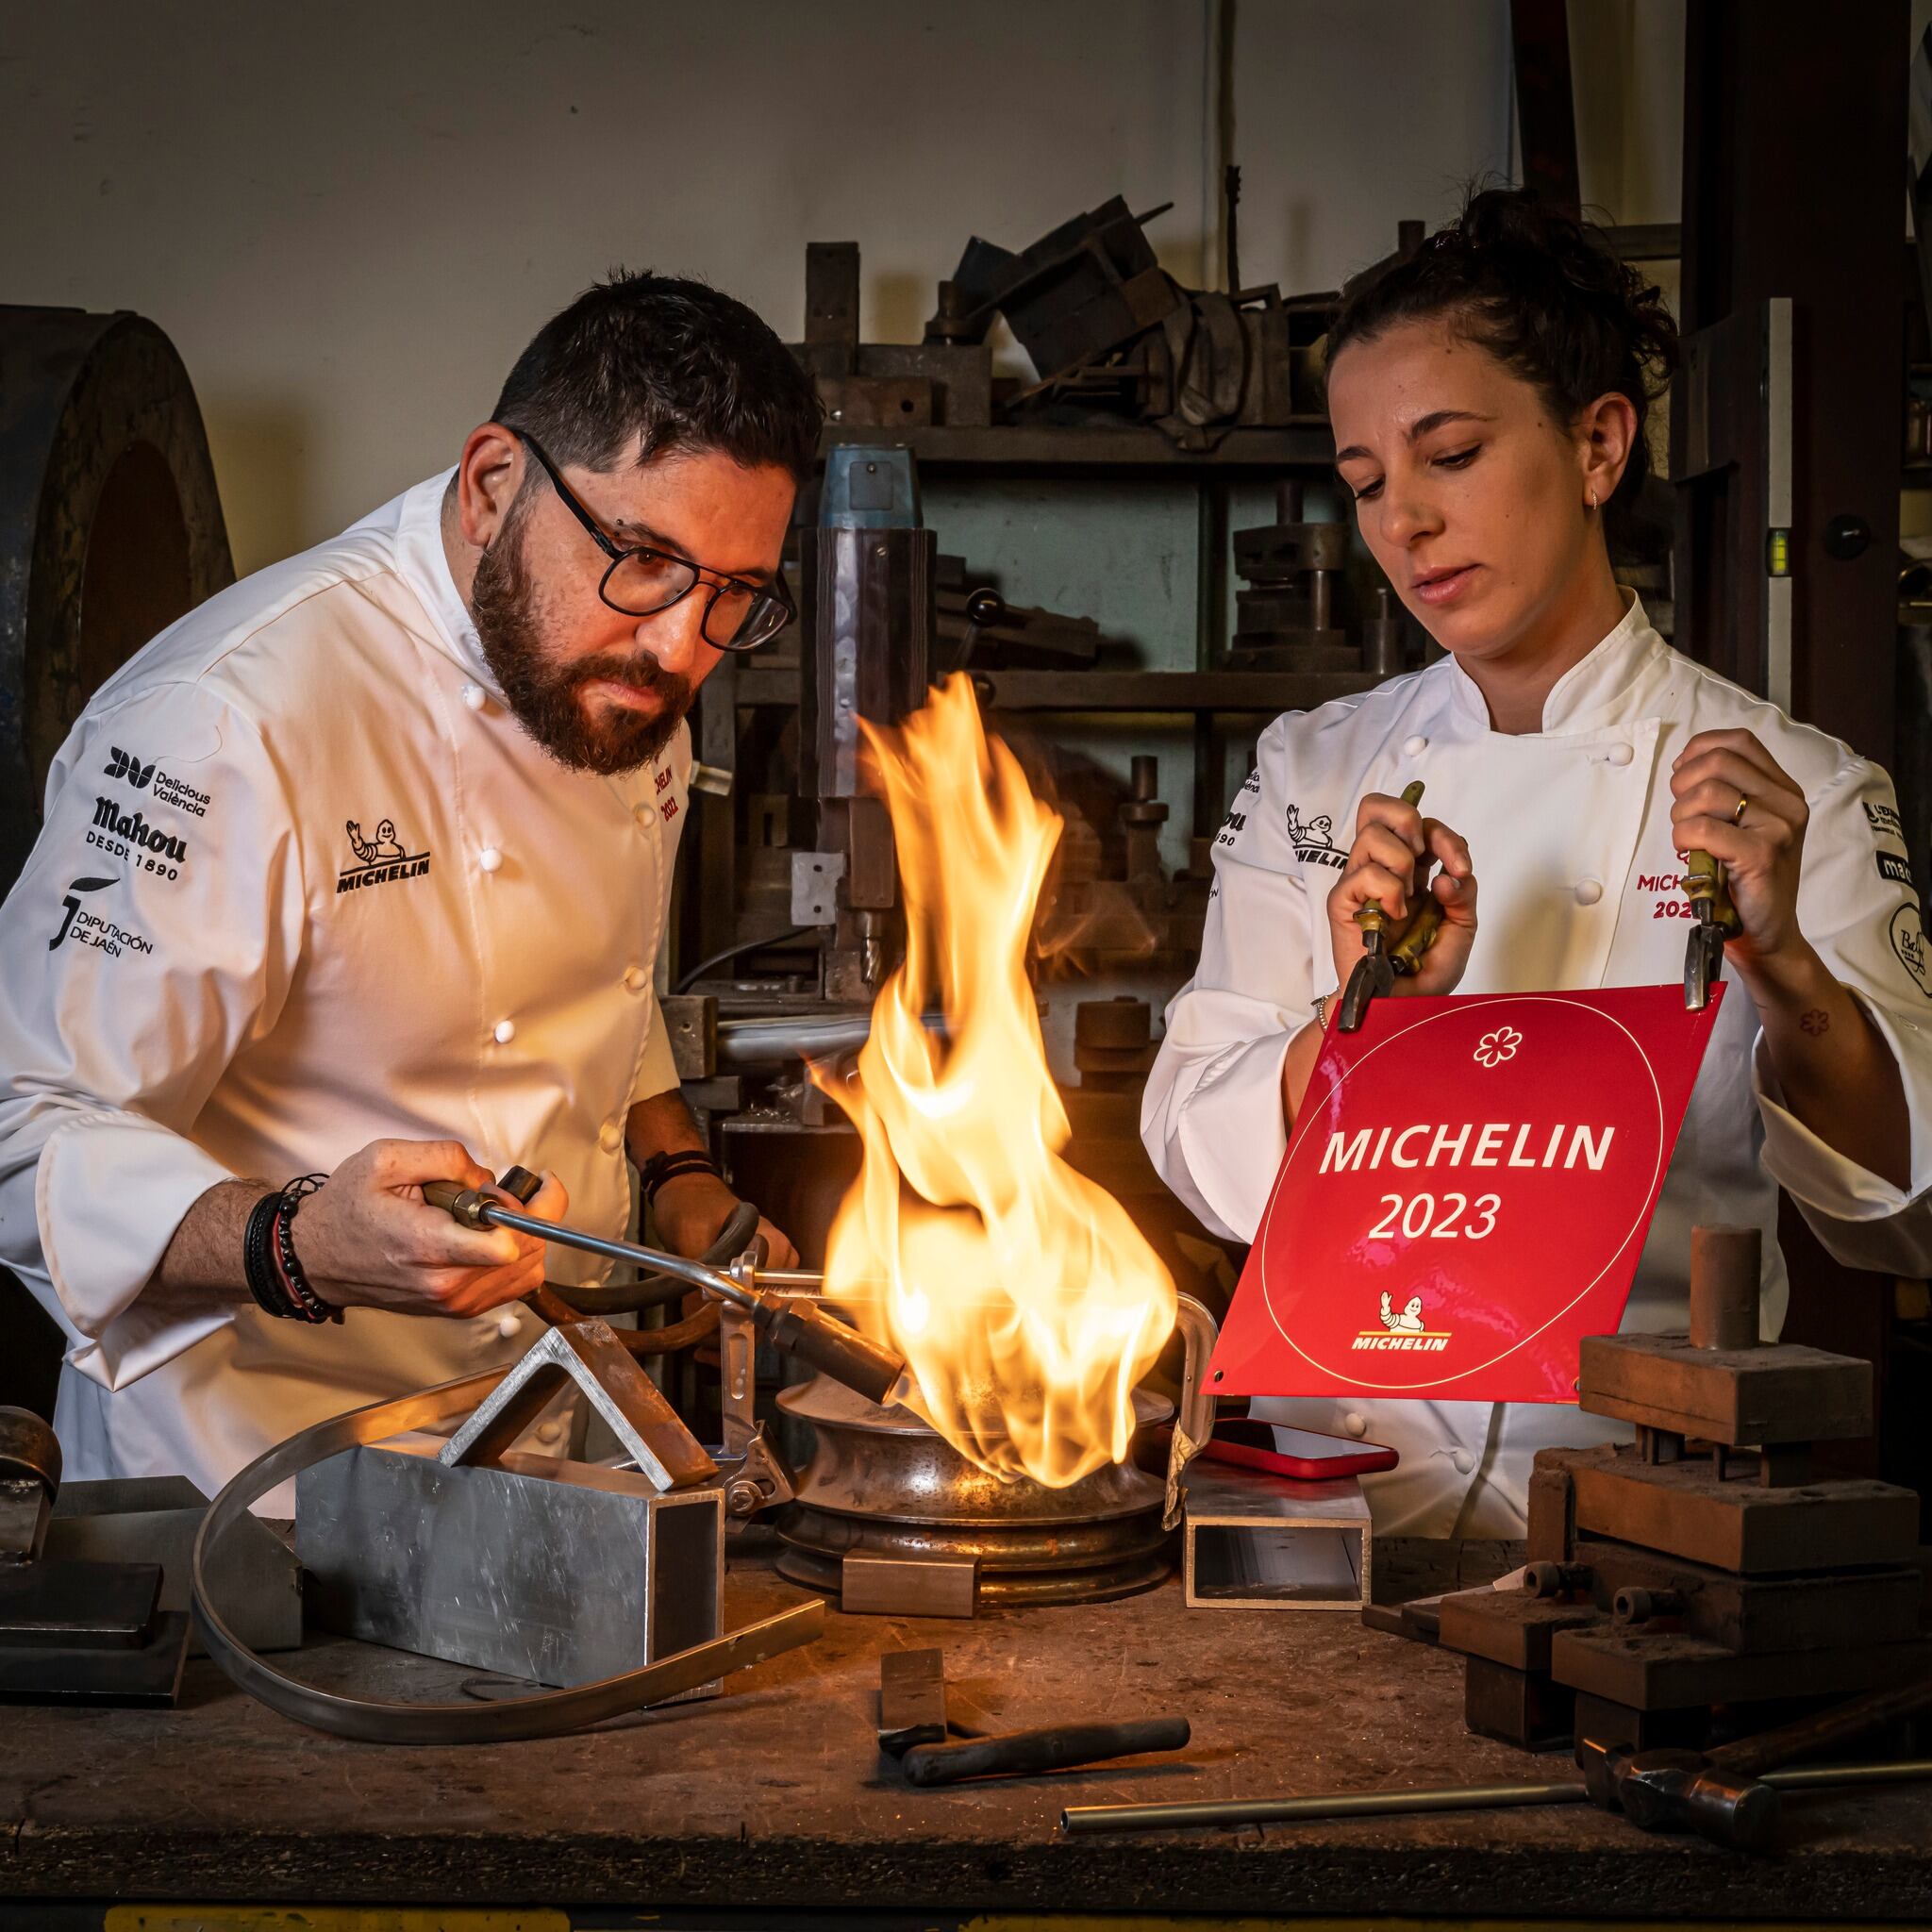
(379, 1721)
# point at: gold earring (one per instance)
(1590, 497)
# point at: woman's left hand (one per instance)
(1732, 799)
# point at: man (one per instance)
(212, 983)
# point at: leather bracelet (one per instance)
(257, 1268)
(663, 1167)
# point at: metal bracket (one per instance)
(666, 1454)
(815, 878)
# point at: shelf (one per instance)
(1129, 446)
(1101, 690)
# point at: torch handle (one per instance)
(809, 1335)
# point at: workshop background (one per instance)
(350, 219)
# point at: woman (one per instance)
(1489, 398)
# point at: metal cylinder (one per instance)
(1382, 652)
(1725, 1265)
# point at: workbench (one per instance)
(773, 1801)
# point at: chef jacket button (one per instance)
(1355, 1425)
(475, 697)
(1588, 892)
(505, 1031)
(636, 979)
(548, 1432)
(1414, 747)
(489, 859)
(610, 1137)
(510, 1323)
(1463, 1460)
(646, 812)
(1620, 754)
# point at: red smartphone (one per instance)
(1306, 1455)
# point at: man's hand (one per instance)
(367, 1239)
(691, 1211)
(1390, 838)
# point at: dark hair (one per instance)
(1543, 293)
(646, 364)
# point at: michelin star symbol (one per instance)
(1494, 1048)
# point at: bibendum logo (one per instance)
(1314, 839)
(1403, 1328)
(382, 858)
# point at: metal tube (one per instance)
(676, 1266)
(1078, 1817)
(1228, 1811)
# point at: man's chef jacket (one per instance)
(307, 883)
(1580, 885)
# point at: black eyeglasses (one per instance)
(739, 616)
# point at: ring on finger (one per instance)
(1738, 813)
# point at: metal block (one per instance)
(147, 1675)
(1552, 1512)
(70, 1606)
(907, 1587)
(815, 878)
(1508, 1627)
(252, 1573)
(1686, 1509)
(632, 1406)
(690, 1025)
(879, 402)
(560, 1573)
(1521, 1708)
(1785, 1393)
(1251, 1540)
(912, 1699)
(1749, 1614)
(1673, 1670)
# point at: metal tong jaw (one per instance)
(1385, 958)
(1717, 921)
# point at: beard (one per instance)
(545, 689)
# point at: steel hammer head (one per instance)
(1681, 1790)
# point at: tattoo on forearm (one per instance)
(1816, 1022)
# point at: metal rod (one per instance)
(1077, 1817)
(710, 1279)
(1225, 1811)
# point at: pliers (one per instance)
(1717, 921)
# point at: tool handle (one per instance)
(1054, 1747)
(443, 1194)
(1753, 1757)
(809, 1335)
(1705, 888)
(1370, 916)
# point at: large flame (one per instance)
(1025, 1301)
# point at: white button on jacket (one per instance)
(257, 942)
(1585, 800)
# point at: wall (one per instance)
(350, 218)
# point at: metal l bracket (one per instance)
(666, 1454)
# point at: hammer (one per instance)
(1722, 1795)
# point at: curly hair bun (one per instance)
(1542, 292)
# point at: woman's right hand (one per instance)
(1390, 838)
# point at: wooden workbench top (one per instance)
(774, 1796)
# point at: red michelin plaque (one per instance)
(1464, 1196)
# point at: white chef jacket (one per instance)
(1570, 831)
(306, 883)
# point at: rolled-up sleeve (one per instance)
(153, 930)
(1211, 1117)
(1860, 909)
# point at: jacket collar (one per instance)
(423, 566)
(1610, 686)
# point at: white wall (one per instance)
(351, 217)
